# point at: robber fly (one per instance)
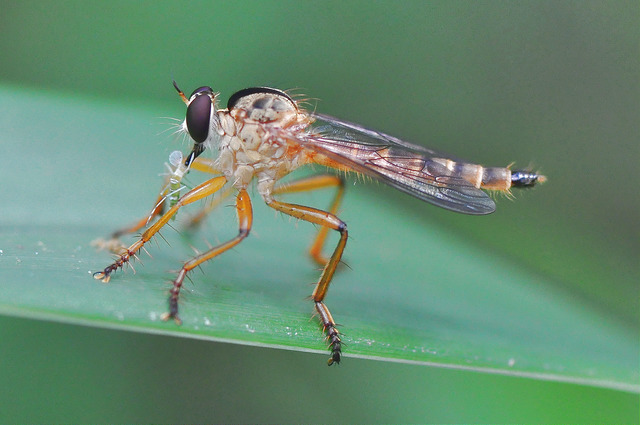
(263, 135)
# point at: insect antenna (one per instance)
(180, 93)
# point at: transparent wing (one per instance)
(407, 167)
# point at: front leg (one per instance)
(199, 192)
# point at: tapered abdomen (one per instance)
(491, 178)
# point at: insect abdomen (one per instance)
(491, 178)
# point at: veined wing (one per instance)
(407, 167)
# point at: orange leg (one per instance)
(313, 183)
(327, 220)
(245, 219)
(199, 192)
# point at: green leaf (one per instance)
(412, 291)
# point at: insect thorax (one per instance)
(254, 142)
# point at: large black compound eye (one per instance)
(199, 115)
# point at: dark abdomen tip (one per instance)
(525, 178)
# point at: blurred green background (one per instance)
(554, 83)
